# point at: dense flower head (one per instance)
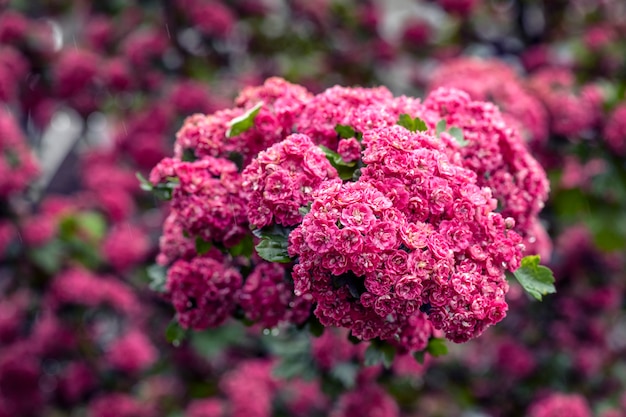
(18, 167)
(280, 104)
(117, 404)
(125, 246)
(173, 243)
(494, 152)
(495, 81)
(460, 7)
(558, 404)
(336, 105)
(250, 380)
(20, 370)
(12, 67)
(212, 18)
(367, 401)
(206, 407)
(204, 291)
(267, 297)
(415, 231)
(282, 179)
(75, 71)
(206, 198)
(132, 353)
(81, 287)
(571, 113)
(304, 398)
(615, 130)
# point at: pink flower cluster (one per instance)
(557, 404)
(495, 152)
(17, 165)
(203, 291)
(615, 130)
(414, 232)
(267, 297)
(207, 198)
(571, 113)
(281, 103)
(416, 243)
(493, 80)
(282, 179)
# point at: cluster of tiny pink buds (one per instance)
(559, 404)
(267, 297)
(203, 291)
(414, 232)
(207, 197)
(281, 180)
(17, 165)
(391, 232)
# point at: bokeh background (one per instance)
(92, 92)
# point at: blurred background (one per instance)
(92, 92)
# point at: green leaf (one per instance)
(537, 280)
(244, 248)
(144, 184)
(92, 223)
(48, 257)
(175, 334)
(202, 246)
(412, 124)
(315, 327)
(345, 373)
(189, 155)
(244, 122)
(158, 276)
(345, 132)
(457, 134)
(274, 243)
(162, 191)
(380, 353)
(441, 127)
(437, 347)
(273, 251)
(419, 356)
(344, 169)
(304, 210)
(212, 342)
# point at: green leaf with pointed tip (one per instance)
(244, 122)
(243, 248)
(158, 276)
(437, 347)
(175, 334)
(380, 353)
(143, 182)
(304, 210)
(412, 124)
(344, 169)
(202, 246)
(273, 251)
(274, 243)
(457, 134)
(537, 280)
(441, 127)
(345, 132)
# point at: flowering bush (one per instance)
(378, 224)
(399, 242)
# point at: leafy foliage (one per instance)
(537, 280)
(244, 122)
